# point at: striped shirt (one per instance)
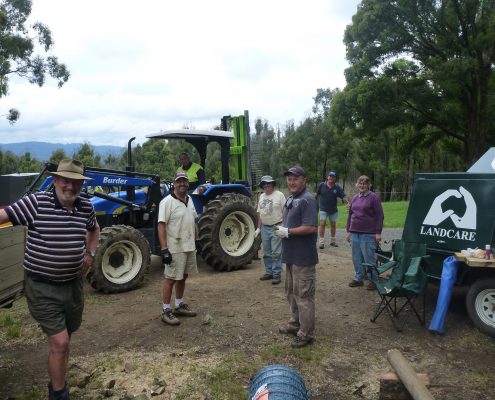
(56, 239)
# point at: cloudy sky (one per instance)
(141, 66)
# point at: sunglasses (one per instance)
(288, 202)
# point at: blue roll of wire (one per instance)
(277, 382)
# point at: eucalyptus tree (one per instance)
(21, 49)
(425, 66)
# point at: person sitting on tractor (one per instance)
(195, 173)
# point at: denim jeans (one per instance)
(272, 247)
(363, 251)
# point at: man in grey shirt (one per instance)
(299, 233)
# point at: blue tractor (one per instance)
(126, 204)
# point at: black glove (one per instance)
(198, 245)
(166, 256)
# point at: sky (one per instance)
(138, 67)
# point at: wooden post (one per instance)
(408, 376)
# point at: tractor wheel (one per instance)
(122, 259)
(480, 304)
(227, 232)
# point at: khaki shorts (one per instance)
(182, 264)
(55, 307)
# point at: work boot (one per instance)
(169, 318)
(301, 341)
(322, 244)
(276, 280)
(266, 277)
(62, 394)
(289, 329)
(355, 283)
(333, 244)
(371, 286)
(184, 311)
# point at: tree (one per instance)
(432, 63)
(18, 50)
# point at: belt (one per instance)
(270, 226)
(37, 278)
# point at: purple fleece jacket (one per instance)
(365, 214)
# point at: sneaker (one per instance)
(322, 244)
(266, 277)
(333, 244)
(289, 329)
(355, 283)
(169, 318)
(371, 286)
(301, 341)
(184, 311)
(276, 280)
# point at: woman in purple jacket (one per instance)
(364, 229)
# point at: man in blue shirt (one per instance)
(327, 193)
(299, 232)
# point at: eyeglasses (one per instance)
(288, 202)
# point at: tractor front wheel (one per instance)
(122, 259)
(227, 232)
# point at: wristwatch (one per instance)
(91, 253)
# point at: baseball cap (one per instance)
(180, 175)
(295, 170)
(331, 173)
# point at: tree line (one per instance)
(419, 97)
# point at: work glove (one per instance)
(166, 256)
(257, 232)
(281, 231)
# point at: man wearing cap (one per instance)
(62, 238)
(299, 233)
(195, 173)
(270, 208)
(327, 193)
(177, 233)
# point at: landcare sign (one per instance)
(452, 211)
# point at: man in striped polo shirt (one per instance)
(62, 238)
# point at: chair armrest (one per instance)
(414, 265)
(387, 266)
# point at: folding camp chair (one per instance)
(404, 284)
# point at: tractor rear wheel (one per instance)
(227, 232)
(122, 259)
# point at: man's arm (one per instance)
(303, 230)
(201, 176)
(3, 216)
(162, 235)
(92, 238)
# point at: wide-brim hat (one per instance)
(266, 179)
(70, 169)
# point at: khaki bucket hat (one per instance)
(71, 169)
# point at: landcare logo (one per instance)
(465, 224)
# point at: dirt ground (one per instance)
(124, 351)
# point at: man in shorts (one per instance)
(62, 238)
(328, 193)
(177, 233)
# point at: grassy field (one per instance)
(394, 211)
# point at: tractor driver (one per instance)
(195, 173)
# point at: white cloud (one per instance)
(137, 67)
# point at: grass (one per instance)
(394, 211)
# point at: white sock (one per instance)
(333, 240)
(178, 302)
(322, 240)
(166, 307)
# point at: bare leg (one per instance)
(58, 357)
(168, 285)
(180, 286)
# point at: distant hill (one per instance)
(43, 150)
